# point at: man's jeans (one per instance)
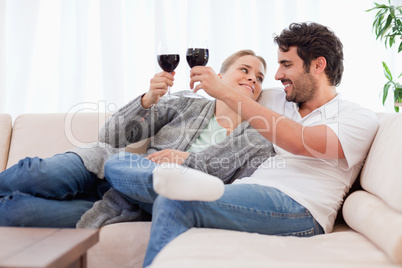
(243, 207)
(51, 192)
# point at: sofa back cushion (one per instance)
(5, 138)
(382, 171)
(44, 135)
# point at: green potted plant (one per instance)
(387, 27)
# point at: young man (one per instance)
(321, 139)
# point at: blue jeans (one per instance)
(131, 175)
(51, 192)
(243, 207)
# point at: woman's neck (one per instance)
(226, 117)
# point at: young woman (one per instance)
(199, 133)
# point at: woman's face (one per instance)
(245, 75)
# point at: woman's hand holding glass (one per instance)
(158, 87)
(168, 58)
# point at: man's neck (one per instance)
(321, 97)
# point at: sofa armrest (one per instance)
(372, 217)
(5, 139)
(381, 174)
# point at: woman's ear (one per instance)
(220, 76)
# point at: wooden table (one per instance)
(45, 247)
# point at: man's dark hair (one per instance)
(312, 41)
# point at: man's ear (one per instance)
(319, 64)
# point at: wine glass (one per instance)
(168, 58)
(197, 55)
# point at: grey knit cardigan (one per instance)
(175, 124)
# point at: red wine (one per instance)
(168, 62)
(197, 56)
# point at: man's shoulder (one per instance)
(347, 106)
(357, 115)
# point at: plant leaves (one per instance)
(387, 72)
(391, 41)
(377, 6)
(382, 6)
(379, 22)
(386, 26)
(392, 11)
(397, 98)
(385, 92)
(398, 93)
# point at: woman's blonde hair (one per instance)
(232, 58)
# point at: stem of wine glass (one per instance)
(168, 91)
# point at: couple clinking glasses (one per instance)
(308, 124)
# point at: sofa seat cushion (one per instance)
(222, 248)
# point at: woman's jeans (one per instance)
(51, 192)
(243, 207)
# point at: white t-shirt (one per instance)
(319, 185)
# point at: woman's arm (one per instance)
(141, 118)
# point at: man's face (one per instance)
(300, 86)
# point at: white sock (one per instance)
(182, 183)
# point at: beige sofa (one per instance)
(371, 236)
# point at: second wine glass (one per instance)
(168, 59)
(197, 55)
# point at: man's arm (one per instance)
(313, 141)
